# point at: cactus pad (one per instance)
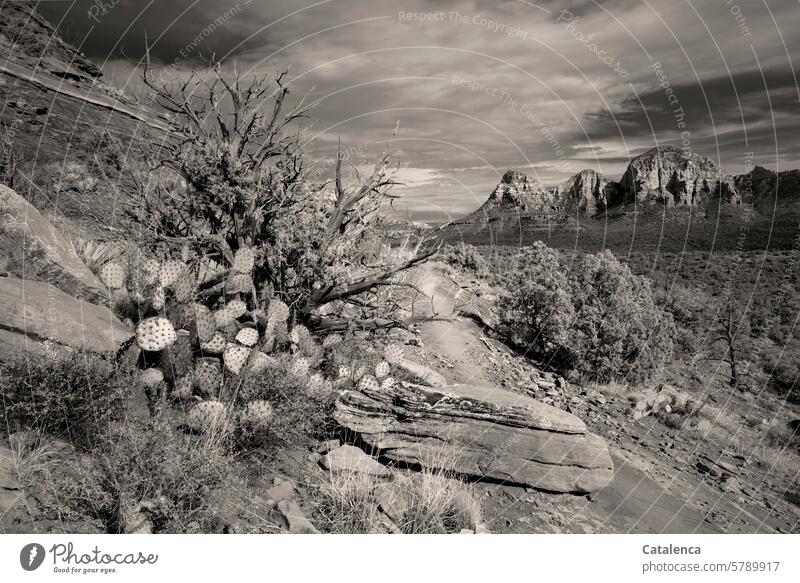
(247, 337)
(154, 334)
(244, 260)
(235, 357)
(113, 276)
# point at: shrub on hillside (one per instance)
(466, 257)
(602, 320)
(619, 332)
(537, 309)
(74, 396)
(147, 472)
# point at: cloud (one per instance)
(480, 86)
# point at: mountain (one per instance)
(767, 190)
(666, 176)
(669, 176)
(588, 192)
(516, 193)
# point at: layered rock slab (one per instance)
(31, 248)
(479, 432)
(33, 313)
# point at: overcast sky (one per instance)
(479, 86)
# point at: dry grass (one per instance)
(439, 504)
(618, 390)
(346, 501)
(32, 456)
(434, 502)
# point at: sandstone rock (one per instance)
(516, 193)
(31, 248)
(326, 446)
(349, 458)
(296, 521)
(280, 490)
(479, 432)
(588, 192)
(669, 176)
(33, 313)
(423, 373)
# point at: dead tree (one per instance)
(231, 175)
(731, 328)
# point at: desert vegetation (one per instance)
(599, 320)
(254, 293)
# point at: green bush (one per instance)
(75, 396)
(148, 469)
(299, 415)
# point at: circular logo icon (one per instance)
(31, 556)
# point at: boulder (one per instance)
(478, 432)
(34, 315)
(348, 458)
(31, 248)
(296, 521)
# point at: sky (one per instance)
(476, 87)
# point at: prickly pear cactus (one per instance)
(195, 340)
(155, 334)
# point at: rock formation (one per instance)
(31, 248)
(588, 192)
(669, 176)
(35, 314)
(480, 432)
(516, 193)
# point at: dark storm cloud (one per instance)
(725, 116)
(107, 29)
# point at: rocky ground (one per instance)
(664, 480)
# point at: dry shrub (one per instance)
(33, 453)
(74, 396)
(148, 465)
(618, 390)
(346, 500)
(439, 505)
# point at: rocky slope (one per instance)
(57, 114)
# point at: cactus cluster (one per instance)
(192, 348)
(380, 377)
